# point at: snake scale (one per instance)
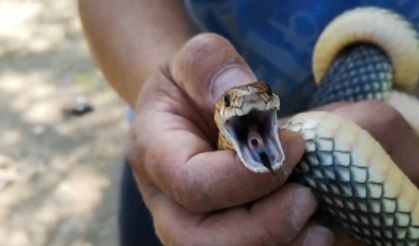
(366, 53)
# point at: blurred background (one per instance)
(59, 162)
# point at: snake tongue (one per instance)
(258, 150)
(256, 139)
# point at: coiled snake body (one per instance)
(363, 54)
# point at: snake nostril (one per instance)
(227, 100)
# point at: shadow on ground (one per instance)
(63, 173)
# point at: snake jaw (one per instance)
(255, 138)
(247, 122)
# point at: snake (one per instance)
(366, 53)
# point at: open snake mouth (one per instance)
(256, 137)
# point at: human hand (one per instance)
(199, 196)
(388, 127)
(391, 130)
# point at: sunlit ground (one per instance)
(58, 176)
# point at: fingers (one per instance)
(206, 67)
(171, 141)
(274, 220)
(314, 235)
(215, 180)
(389, 128)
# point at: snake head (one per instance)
(246, 117)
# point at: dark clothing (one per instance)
(135, 223)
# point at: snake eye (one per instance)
(227, 100)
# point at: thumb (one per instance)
(206, 67)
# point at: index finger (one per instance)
(274, 220)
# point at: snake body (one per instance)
(363, 54)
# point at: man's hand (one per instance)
(200, 196)
(391, 130)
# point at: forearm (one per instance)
(131, 38)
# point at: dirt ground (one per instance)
(59, 176)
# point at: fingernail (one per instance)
(319, 236)
(302, 207)
(230, 76)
